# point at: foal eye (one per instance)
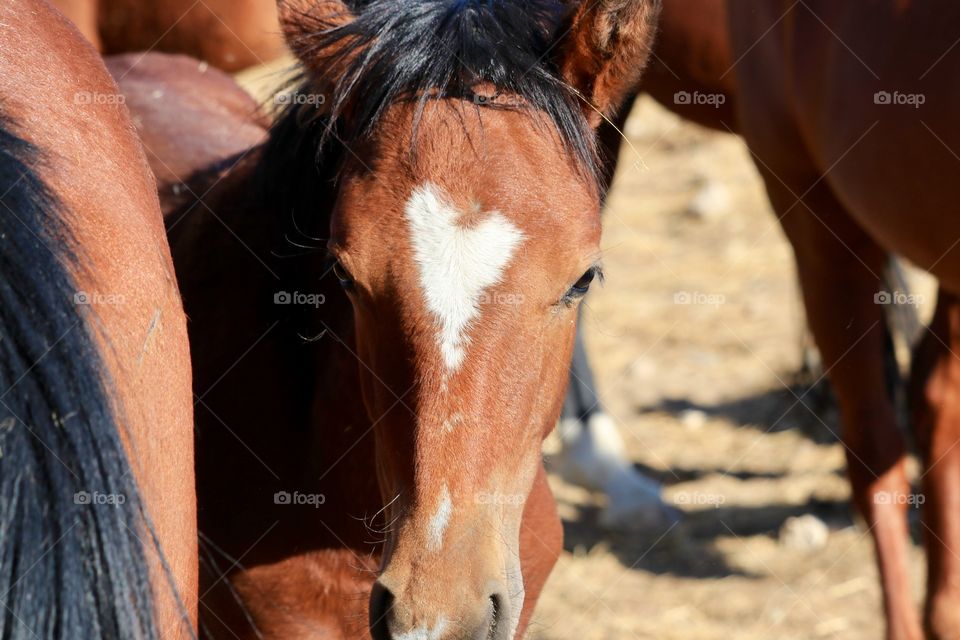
(581, 286)
(346, 280)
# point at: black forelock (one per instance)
(403, 50)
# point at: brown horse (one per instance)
(857, 147)
(857, 151)
(370, 426)
(97, 498)
(228, 34)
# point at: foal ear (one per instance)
(604, 50)
(302, 21)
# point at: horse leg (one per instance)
(593, 454)
(840, 269)
(935, 413)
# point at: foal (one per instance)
(411, 379)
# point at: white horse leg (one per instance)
(593, 456)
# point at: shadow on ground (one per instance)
(688, 548)
(811, 410)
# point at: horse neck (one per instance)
(693, 54)
(276, 382)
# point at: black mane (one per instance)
(69, 567)
(397, 50)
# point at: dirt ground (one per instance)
(697, 343)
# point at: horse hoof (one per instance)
(593, 452)
(642, 518)
(634, 503)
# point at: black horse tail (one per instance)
(72, 564)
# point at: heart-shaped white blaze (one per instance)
(456, 263)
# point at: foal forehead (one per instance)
(507, 156)
(463, 163)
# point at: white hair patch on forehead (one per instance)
(456, 264)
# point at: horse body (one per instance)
(213, 117)
(228, 34)
(116, 378)
(824, 90)
(847, 110)
(853, 175)
(690, 63)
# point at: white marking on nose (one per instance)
(439, 521)
(456, 263)
(425, 633)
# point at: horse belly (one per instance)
(862, 96)
(904, 193)
(877, 108)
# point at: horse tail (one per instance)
(72, 564)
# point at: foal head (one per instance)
(465, 232)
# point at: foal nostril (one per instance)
(498, 627)
(381, 601)
(495, 625)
